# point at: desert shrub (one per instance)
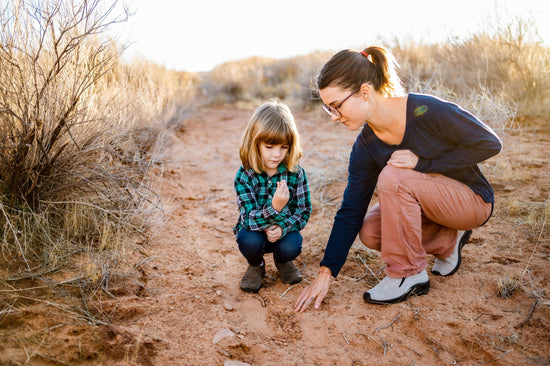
(508, 66)
(257, 78)
(233, 80)
(507, 286)
(489, 106)
(79, 131)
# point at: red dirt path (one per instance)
(190, 310)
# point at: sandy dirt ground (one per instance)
(184, 306)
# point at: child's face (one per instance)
(272, 156)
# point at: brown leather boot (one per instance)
(288, 272)
(252, 279)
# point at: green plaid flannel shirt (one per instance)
(254, 194)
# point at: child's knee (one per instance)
(289, 248)
(288, 253)
(250, 240)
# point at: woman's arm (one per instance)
(464, 140)
(362, 178)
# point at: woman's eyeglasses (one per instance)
(333, 110)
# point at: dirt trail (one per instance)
(192, 312)
(198, 315)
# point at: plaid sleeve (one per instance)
(299, 207)
(252, 214)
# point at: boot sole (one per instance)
(416, 290)
(461, 244)
(292, 282)
(251, 290)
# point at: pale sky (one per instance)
(197, 35)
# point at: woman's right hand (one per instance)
(318, 289)
(281, 196)
(404, 159)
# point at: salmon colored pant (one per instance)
(419, 214)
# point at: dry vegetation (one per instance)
(80, 130)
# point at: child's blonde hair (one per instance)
(271, 123)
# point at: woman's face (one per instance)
(352, 110)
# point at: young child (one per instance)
(272, 195)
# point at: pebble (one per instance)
(235, 363)
(221, 334)
(227, 306)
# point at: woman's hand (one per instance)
(318, 289)
(274, 233)
(281, 196)
(403, 159)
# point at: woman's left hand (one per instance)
(405, 159)
(274, 233)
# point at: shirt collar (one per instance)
(280, 169)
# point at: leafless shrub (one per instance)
(79, 132)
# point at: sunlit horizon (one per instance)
(197, 36)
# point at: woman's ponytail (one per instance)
(350, 69)
(389, 83)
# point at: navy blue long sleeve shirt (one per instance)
(446, 138)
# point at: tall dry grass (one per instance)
(499, 74)
(80, 131)
(510, 62)
(256, 78)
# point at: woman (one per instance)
(422, 152)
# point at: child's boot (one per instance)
(288, 272)
(252, 279)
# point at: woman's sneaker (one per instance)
(393, 290)
(448, 266)
(288, 272)
(252, 279)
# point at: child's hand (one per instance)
(280, 198)
(274, 233)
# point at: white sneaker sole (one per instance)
(416, 290)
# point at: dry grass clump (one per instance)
(79, 131)
(535, 216)
(509, 66)
(258, 78)
(507, 286)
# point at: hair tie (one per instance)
(365, 54)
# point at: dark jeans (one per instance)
(254, 244)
